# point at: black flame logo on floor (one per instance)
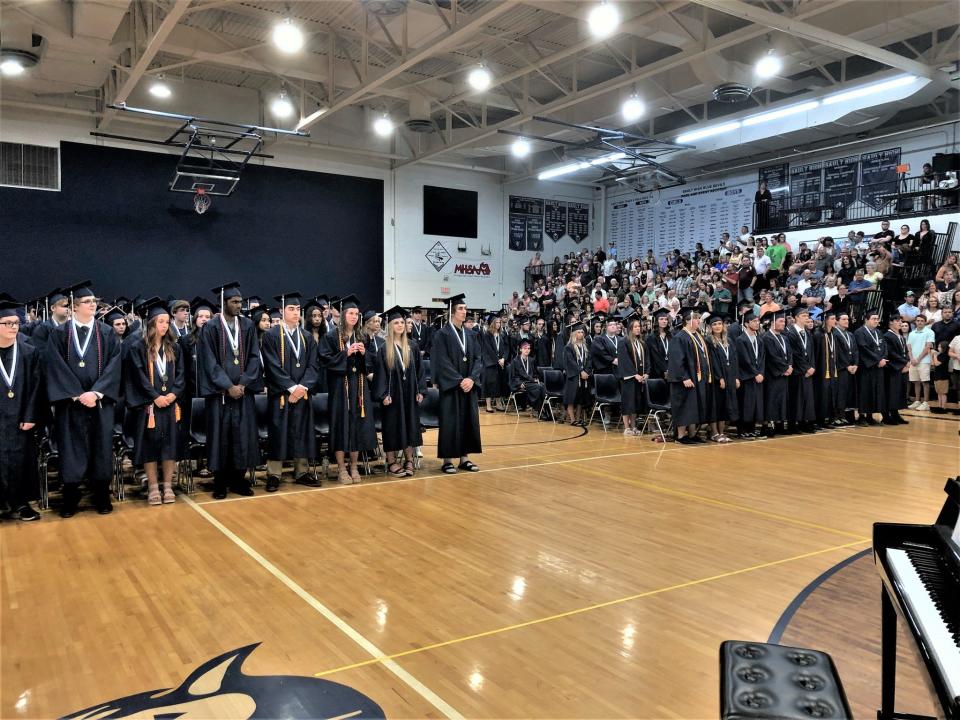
(219, 689)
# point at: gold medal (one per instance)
(163, 388)
(10, 394)
(353, 369)
(464, 358)
(236, 361)
(298, 364)
(81, 364)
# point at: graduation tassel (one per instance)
(283, 398)
(826, 354)
(151, 420)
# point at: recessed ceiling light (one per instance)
(287, 36)
(160, 89)
(603, 20)
(383, 126)
(281, 106)
(768, 66)
(520, 147)
(11, 67)
(633, 108)
(479, 78)
(16, 62)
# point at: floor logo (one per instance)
(438, 256)
(219, 689)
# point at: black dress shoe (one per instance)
(105, 508)
(686, 440)
(901, 421)
(244, 490)
(28, 514)
(308, 479)
(219, 494)
(890, 421)
(273, 483)
(698, 440)
(67, 512)
(871, 421)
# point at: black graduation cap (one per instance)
(348, 301)
(524, 341)
(123, 300)
(369, 315)
(321, 300)
(78, 291)
(452, 302)
(523, 319)
(574, 326)
(892, 316)
(200, 303)
(394, 313)
(870, 313)
(257, 312)
(113, 314)
(55, 296)
(748, 316)
(685, 313)
(745, 303)
(8, 308)
(416, 309)
(289, 298)
(332, 300)
(229, 290)
(662, 312)
(254, 300)
(275, 313)
(800, 310)
(716, 317)
(771, 315)
(151, 308)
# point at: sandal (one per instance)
(355, 474)
(724, 439)
(396, 469)
(154, 498)
(409, 468)
(168, 496)
(448, 468)
(716, 438)
(468, 466)
(345, 478)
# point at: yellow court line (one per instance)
(725, 504)
(588, 608)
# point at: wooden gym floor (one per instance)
(577, 575)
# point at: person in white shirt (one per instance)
(761, 264)
(805, 282)
(920, 348)
(609, 266)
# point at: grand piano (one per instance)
(920, 569)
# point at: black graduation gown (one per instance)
(458, 416)
(320, 386)
(777, 358)
(163, 441)
(189, 359)
(400, 420)
(802, 404)
(895, 380)
(871, 348)
(232, 440)
(750, 363)
(847, 355)
(529, 377)
(826, 379)
(658, 354)
(633, 361)
(494, 377)
(421, 336)
(725, 365)
(84, 435)
(41, 334)
(290, 425)
(352, 426)
(603, 351)
(544, 351)
(559, 345)
(18, 451)
(576, 390)
(689, 406)
(374, 346)
(734, 331)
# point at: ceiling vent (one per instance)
(385, 8)
(420, 120)
(732, 93)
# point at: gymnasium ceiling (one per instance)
(410, 58)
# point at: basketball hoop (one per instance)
(201, 201)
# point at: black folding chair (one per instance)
(606, 390)
(196, 445)
(657, 391)
(321, 428)
(426, 371)
(553, 382)
(429, 419)
(263, 429)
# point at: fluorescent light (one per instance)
(159, 89)
(782, 188)
(768, 66)
(780, 113)
(383, 126)
(580, 165)
(287, 36)
(603, 20)
(520, 147)
(479, 78)
(11, 67)
(865, 90)
(633, 108)
(609, 158)
(708, 132)
(281, 106)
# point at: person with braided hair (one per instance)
(352, 428)
(229, 376)
(83, 367)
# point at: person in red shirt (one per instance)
(600, 303)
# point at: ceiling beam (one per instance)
(446, 41)
(821, 36)
(143, 62)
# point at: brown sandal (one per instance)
(409, 468)
(396, 469)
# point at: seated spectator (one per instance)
(768, 304)
(872, 275)
(829, 288)
(947, 287)
(814, 295)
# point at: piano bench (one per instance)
(763, 680)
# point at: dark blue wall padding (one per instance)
(115, 222)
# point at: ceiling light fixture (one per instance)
(633, 108)
(870, 89)
(708, 132)
(383, 126)
(769, 65)
(480, 78)
(520, 147)
(603, 20)
(780, 113)
(580, 165)
(11, 67)
(281, 106)
(287, 37)
(160, 89)
(16, 62)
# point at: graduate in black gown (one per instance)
(558, 339)
(399, 384)
(315, 325)
(546, 344)
(872, 352)
(21, 387)
(525, 377)
(202, 310)
(803, 411)
(421, 331)
(658, 344)
(457, 369)
(154, 378)
(633, 371)
(895, 373)
(778, 362)
(230, 376)
(848, 358)
(604, 348)
(494, 351)
(726, 380)
(578, 371)
(372, 340)
(352, 428)
(290, 364)
(826, 379)
(690, 374)
(751, 357)
(83, 369)
(59, 314)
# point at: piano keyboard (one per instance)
(931, 593)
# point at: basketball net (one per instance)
(201, 201)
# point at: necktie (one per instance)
(82, 332)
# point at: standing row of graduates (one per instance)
(83, 371)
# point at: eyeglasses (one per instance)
(10, 324)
